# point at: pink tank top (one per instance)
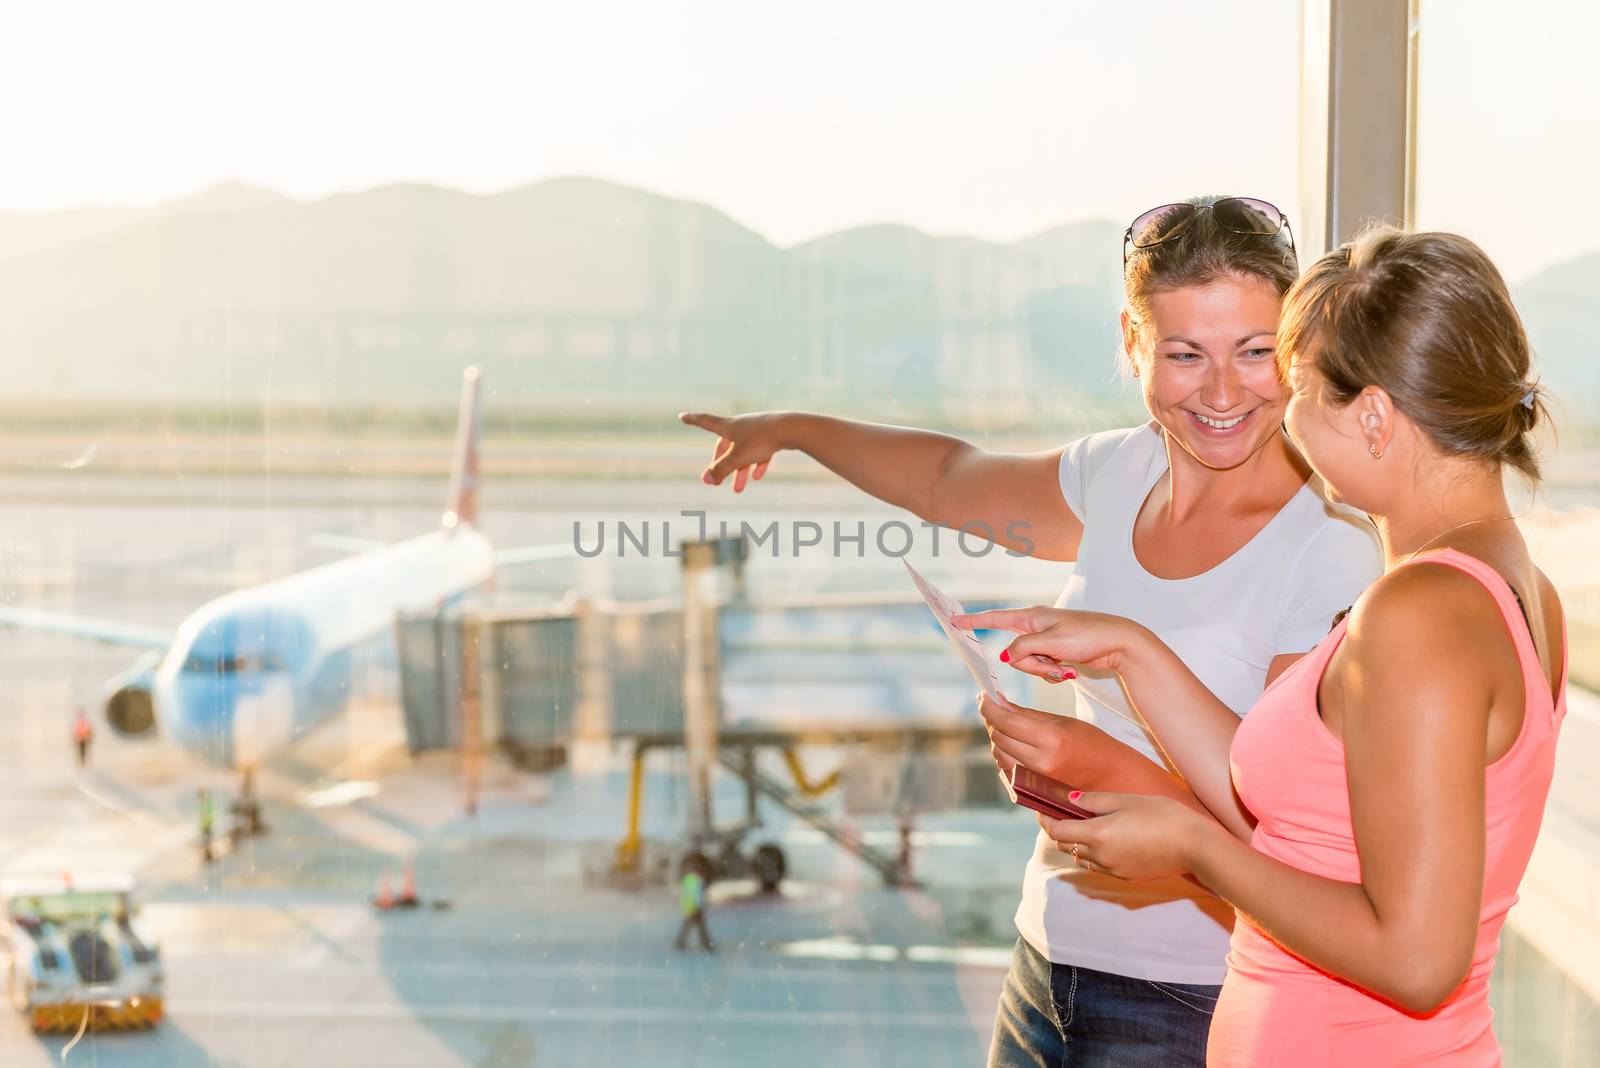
(1289, 770)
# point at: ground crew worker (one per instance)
(82, 735)
(208, 818)
(692, 903)
(246, 810)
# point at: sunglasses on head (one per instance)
(1240, 215)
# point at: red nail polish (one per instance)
(1005, 656)
(1074, 795)
(1069, 674)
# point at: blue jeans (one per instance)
(1062, 1016)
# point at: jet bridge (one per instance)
(755, 689)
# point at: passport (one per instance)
(1044, 794)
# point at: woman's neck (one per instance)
(1275, 471)
(1436, 512)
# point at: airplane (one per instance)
(248, 674)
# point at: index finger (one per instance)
(1016, 620)
(703, 420)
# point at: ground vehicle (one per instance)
(75, 947)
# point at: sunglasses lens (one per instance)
(1245, 215)
(1159, 224)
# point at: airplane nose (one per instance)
(198, 711)
(263, 723)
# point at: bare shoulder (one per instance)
(1425, 642)
(1549, 597)
(1426, 621)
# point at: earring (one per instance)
(1377, 453)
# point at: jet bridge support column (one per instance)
(471, 711)
(594, 716)
(702, 704)
(705, 565)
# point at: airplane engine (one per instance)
(130, 700)
(131, 711)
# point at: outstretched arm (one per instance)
(1012, 499)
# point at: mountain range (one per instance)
(576, 293)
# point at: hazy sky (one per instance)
(1509, 127)
(996, 120)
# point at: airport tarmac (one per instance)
(276, 957)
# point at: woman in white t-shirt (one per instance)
(1205, 527)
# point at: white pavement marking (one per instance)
(106, 801)
(925, 839)
(340, 793)
(104, 845)
(361, 827)
(339, 932)
(997, 957)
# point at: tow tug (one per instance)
(79, 957)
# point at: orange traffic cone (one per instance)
(384, 900)
(408, 887)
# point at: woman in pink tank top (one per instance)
(1396, 775)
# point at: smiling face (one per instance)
(1206, 358)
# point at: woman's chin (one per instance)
(1225, 446)
(1222, 455)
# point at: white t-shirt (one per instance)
(1278, 594)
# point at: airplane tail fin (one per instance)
(463, 507)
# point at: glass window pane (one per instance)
(1508, 121)
(375, 807)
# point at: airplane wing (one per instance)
(528, 554)
(344, 543)
(533, 554)
(107, 631)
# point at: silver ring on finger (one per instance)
(1074, 851)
